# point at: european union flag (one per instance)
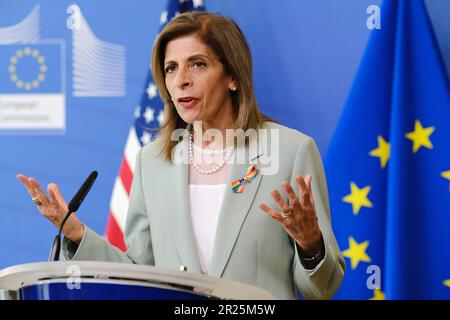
(388, 166)
(31, 68)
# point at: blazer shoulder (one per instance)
(291, 138)
(151, 152)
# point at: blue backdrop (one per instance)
(306, 54)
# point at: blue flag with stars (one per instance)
(388, 166)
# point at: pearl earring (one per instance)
(233, 88)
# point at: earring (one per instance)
(233, 88)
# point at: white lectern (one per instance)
(95, 280)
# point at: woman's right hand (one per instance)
(53, 207)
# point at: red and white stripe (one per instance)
(121, 193)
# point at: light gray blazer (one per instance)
(249, 246)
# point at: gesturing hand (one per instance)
(53, 207)
(299, 218)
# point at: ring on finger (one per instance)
(285, 213)
(36, 201)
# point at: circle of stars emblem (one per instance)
(15, 60)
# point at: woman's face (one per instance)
(197, 82)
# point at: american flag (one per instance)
(148, 114)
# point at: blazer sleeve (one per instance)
(137, 233)
(325, 279)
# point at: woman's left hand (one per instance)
(299, 219)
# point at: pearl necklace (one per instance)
(213, 170)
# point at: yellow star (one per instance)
(378, 295)
(356, 252)
(358, 198)
(447, 283)
(420, 136)
(446, 174)
(383, 151)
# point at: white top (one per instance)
(205, 202)
(206, 195)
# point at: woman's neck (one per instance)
(211, 136)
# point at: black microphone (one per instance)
(74, 204)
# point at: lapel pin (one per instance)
(248, 175)
(259, 155)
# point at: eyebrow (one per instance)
(193, 57)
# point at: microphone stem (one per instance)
(63, 222)
(56, 246)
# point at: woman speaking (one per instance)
(223, 190)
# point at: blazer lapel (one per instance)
(177, 184)
(235, 207)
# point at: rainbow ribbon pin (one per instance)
(247, 176)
